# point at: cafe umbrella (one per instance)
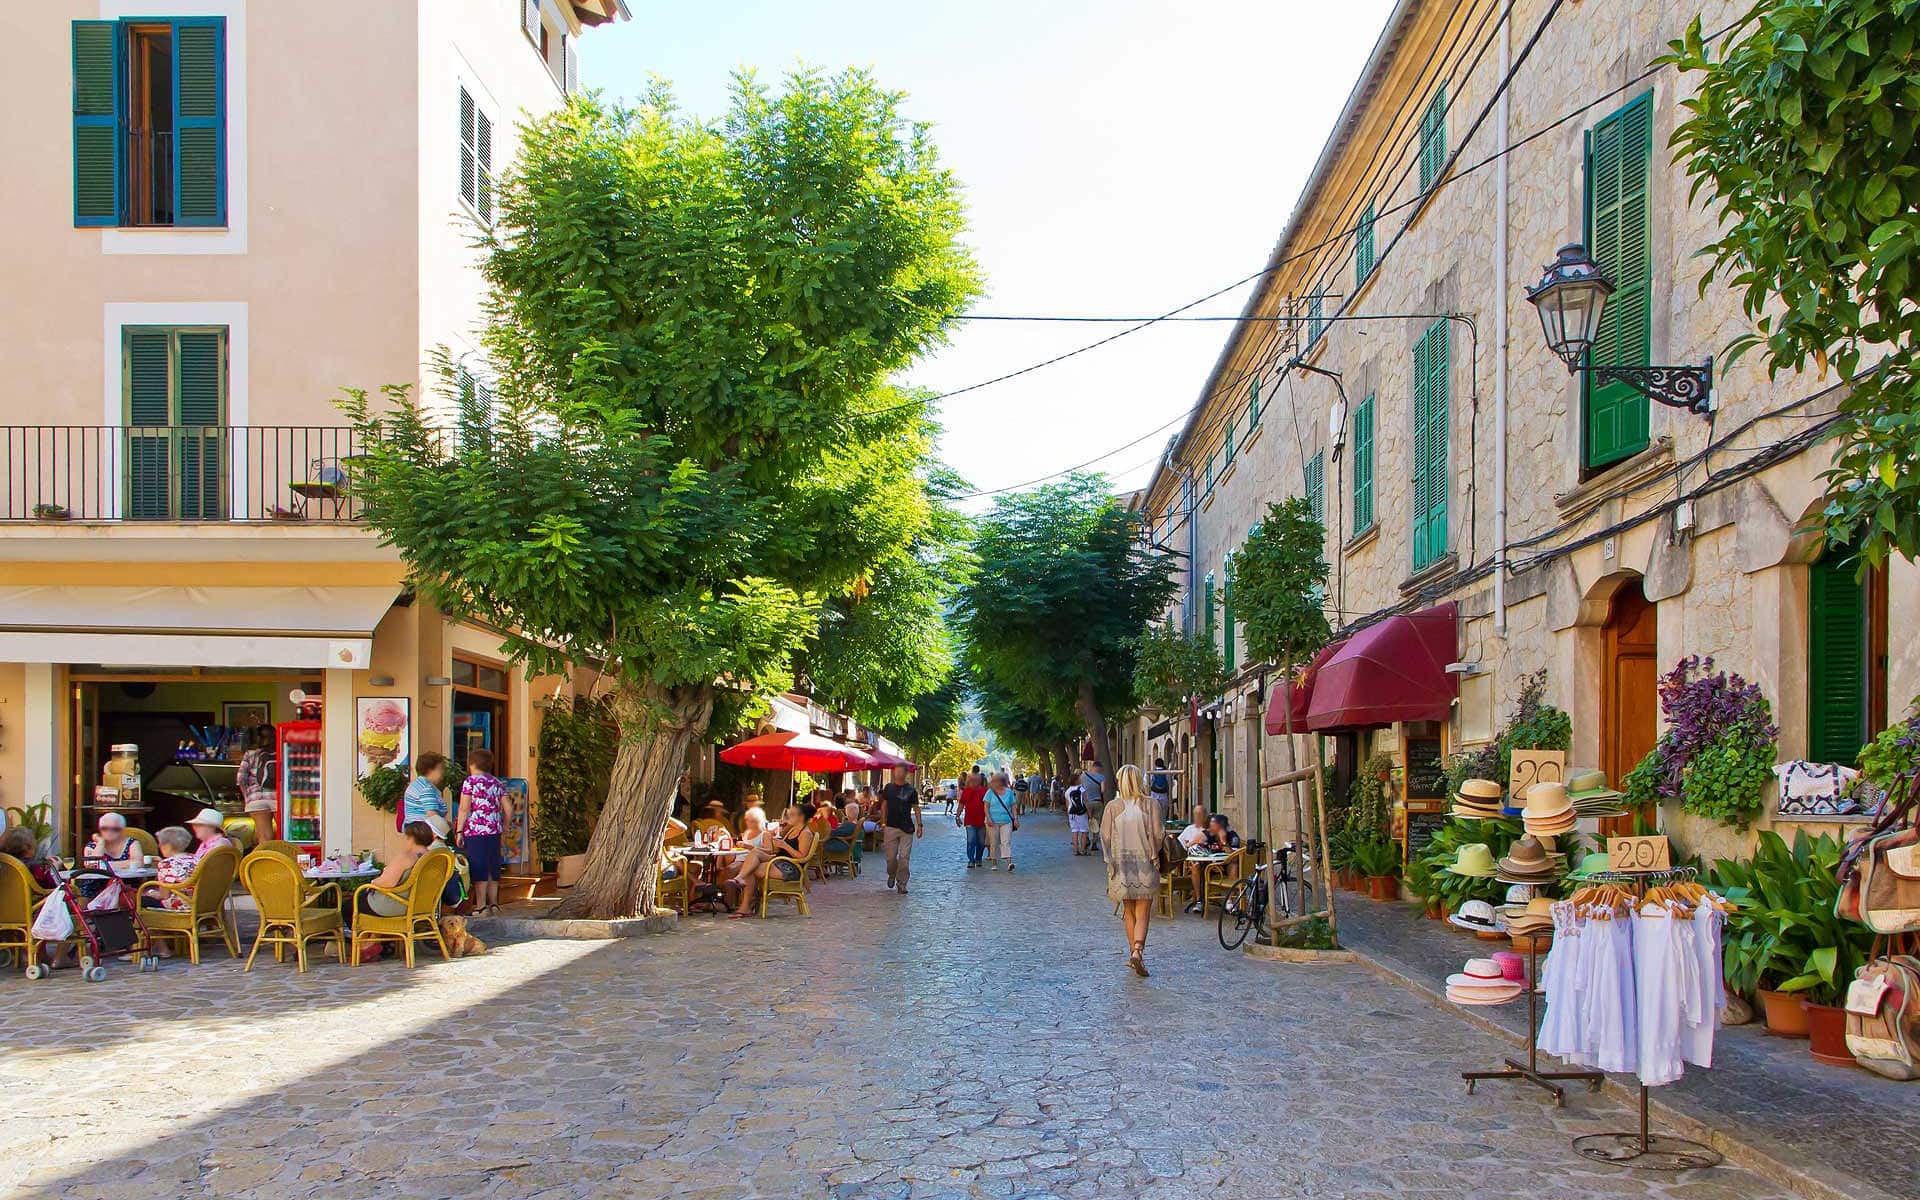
(784, 751)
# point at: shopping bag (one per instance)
(110, 897)
(55, 923)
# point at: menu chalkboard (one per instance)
(1426, 768)
(1420, 830)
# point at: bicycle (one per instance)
(1244, 910)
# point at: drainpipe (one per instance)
(1501, 300)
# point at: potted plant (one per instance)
(578, 739)
(1340, 855)
(51, 512)
(1378, 859)
(1784, 941)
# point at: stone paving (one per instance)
(978, 1038)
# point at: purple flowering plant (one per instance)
(1718, 746)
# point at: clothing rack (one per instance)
(1654, 1152)
(1530, 1070)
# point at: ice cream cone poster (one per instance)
(384, 732)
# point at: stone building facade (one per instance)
(1391, 370)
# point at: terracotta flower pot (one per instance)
(1827, 1031)
(1383, 887)
(1435, 910)
(1786, 1014)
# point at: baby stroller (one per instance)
(95, 932)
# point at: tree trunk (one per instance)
(1320, 838)
(1293, 763)
(656, 726)
(1102, 747)
(1066, 762)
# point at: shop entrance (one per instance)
(480, 705)
(191, 726)
(1629, 687)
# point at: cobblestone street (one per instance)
(979, 1037)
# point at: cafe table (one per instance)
(709, 859)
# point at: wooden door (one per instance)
(1630, 677)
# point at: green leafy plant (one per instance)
(36, 819)
(1370, 813)
(1783, 934)
(1169, 667)
(383, 787)
(1432, 880)
(1642, 784)
(1725, 780)
(1314, 933)
(578, 743)
(1891, 761)
(1533, 725)
(1801, 135)
(1340, 847)
(1376, 856)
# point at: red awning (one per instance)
(784, 751)
(1300, 696)
(1393, 671)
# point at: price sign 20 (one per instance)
(1638, 854)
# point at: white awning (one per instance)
(275, 627)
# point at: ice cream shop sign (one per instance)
(383, 732)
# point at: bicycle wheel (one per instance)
(1236, 917)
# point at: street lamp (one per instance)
(1570, 299)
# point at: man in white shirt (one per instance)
(1196, 830)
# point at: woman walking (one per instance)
(1130, 842)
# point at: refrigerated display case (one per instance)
(299, 753)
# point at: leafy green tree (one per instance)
(1034, 731)
(955, 757)
(695, 444)
(1803, 131)
(936, 718)
(1064, 583)
(1278, 579)
(1173, 667)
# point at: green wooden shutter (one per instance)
(1210, 459)
(1620, 237)
(1430, 423)
(147, 355)
(1230, 441)
(1207, 613)
(199, 411)
(1837, 669)
(200, 121)
(1253, 406)
(1433, 139)
(1363, 247)
(1316, 320)
(1316, 486)
(96, 123)
(1226, 611)
(1363, 466)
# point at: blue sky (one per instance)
(1121, 157)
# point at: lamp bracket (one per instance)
(1690, 388)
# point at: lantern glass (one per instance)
(1570, 299)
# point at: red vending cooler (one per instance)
(299, 749)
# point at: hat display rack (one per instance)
(1530, 1070)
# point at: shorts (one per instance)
(1077, 824)
(483, 856)
(789, 871)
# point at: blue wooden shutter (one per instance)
(1363, 466)
(1430, 422)
(1363, 247)
(1620, 237)
(1433, 139)
(200, 409)
(1837, 669)
(96, 123)
(200, 121)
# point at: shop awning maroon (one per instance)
(785, 751)
(1300, 696)
(883, 759)
(1393, 671)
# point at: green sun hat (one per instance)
(1593, 864)
(1590, 785)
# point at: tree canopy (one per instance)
(1279, 582)
(695, 446)
(1064, 583)
(1804, 131)
(1171, 667)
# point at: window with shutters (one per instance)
(1231, 652)
(174, 407)
(1230, 442)
(1430, 431)
(1209, 476)
(1363, 247)
(1316, 318)
(1208, 617)
(1363, 467)
(1433, 139)
(1316, 486)
(1253, 406)
(150, 122)
(1620, 237)
(1846, 658)
(476, 158)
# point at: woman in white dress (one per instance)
(1130, 838)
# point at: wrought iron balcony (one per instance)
(179, 473)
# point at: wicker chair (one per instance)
(289, 914)
(148, 845)
(675, 893)
(20, 896)
(1222, 877)
(845, 856)
(420, 922)
(206, 892)
(777, 887)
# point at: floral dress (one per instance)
(1130, 842)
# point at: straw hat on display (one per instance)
(1477, 800)
(1531, 921)
(1591, 796)
(1481, 981)
(1529, 863)
(1549, 810)
(1593, 864)
(1476, 915)
(1474, 859)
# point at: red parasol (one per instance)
(883, 759)
(784, 751)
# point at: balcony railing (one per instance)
(177, 473)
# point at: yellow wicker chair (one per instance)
(708, 826)
(20, 897)
(1221, 878)
(148, 846)
(286, 850)
(206, 892)
(675, 893)
(777, 887)
(421, 920)
(289, 914)
(1172, 883)
(846, 856)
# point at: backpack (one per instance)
(1883, 1016)
(1079, 806)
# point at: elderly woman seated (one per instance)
(791, 839)
(110, 847)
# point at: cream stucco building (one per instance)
(245, 234)
(1392, 371)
